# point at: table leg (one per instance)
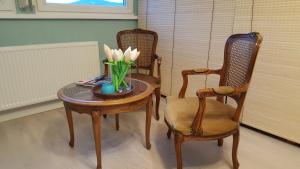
(70, 123)
(149, 110)
(97, 136)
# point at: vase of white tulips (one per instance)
(120, 63)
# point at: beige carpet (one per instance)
(40, 142)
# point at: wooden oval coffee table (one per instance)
(81, 99)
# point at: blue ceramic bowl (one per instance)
(107, 88)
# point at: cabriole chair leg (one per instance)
(157, 95)
(169, 133)
(236, 138)
(117, 122)
(220, 142)
(178, 141)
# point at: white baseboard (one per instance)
(29, 110)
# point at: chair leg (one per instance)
(220, 142)
(117, 122)
(178, 141)
(236, 138)
(169, 133)
(157, 94)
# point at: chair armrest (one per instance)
(104, 60)
(221, 91)
(105, 67)
(212, 92)
(201, 71)
(197, 71)
(158, 58)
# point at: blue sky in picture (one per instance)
(89, 2)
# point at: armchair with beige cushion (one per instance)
(204, 118)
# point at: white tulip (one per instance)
(108, 52)
(118, 55)
(127, 55)
(134, 55)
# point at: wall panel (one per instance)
(273, 99)
(192, 33)
(160, 18)
(222, 27)
(142, 14)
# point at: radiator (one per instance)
(33, 74)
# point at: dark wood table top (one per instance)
(82, 95)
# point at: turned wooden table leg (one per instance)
(70, 123)
(97, 136)
(149, 110)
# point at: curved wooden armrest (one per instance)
(221, 91)
(105, 67)
(197, 71)
(158, 58)
(104, 60)
(201, 71)
(211, 92)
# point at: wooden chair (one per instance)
(145, 41)
(201, 118)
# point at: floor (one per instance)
(40, 141)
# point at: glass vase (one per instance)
(120, 77)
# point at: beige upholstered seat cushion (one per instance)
(180, 114)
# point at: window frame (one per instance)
(46, 7)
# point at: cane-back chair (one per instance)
(201, 118)
(145, 41)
